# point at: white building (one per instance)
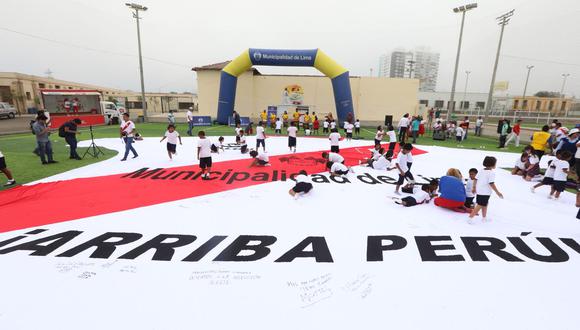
(440, 100)
(420, 64)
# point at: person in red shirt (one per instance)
(515, 134)
(315, 125)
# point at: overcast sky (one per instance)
(95, 41)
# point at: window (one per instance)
(465, 105)
(186, 105)
(551, 105)
(516, 104)
(56, 87)
(449, 104)
(563, 106)
(28, 96)
(40, 85)
(538, 105)
(525, 104)
(425, 102)
(439, 103)
(480, 105)
(69, 87)
(135, 105)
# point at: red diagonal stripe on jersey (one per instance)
(53, 202)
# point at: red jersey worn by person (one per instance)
(517, 129)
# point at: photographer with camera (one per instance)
(128, 136)
(69, 131)
(41, 130)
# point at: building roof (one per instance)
(218, 67)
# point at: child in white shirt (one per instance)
(469, 195)
(404, 162)
(483, 185)
(337, 169)
(303, 185)
(419, 196)
(260, 159)
(334, 138)
(172, 136)
(561, 169)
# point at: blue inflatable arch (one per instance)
(283, 57)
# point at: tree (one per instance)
(547, 94)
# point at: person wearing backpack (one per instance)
(69, 131)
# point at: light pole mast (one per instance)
(502, 21)
(465, 89)
(137, 8)
(565, 76)
(462, 10)
(529, 67)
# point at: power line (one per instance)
(539, 60)
(67, 44)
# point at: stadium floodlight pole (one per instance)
(465, 89)
(137, 8)
(503, 20)
(462, 10)
(529, 67)
(565, 76)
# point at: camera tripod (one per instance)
(93, 149)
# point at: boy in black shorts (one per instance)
(561, 170)
(204, 155)
(4, 169)
(215, 148)
(303, 185)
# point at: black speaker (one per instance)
(388, 120)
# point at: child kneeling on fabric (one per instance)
(421, 196)
(303, 185)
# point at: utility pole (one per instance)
(465, 89)
(529, 67)
(462, 10)
(137, 8)
(503, 20)
(565, 76)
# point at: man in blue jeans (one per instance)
(128, 134)
(70, 136)
(42, 132)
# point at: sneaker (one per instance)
(471, 220)
(485, 220)
(397, 192)
(268, 164)
(10, 183)
(44, 163)
(52, 162)
(135, 156)
(549, 196)
(124, 159)
(532, 189)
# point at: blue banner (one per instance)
(201, 121)
(271, 110)
(244, 121)
(283, 57)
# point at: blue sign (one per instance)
(201, 121)
(283, 57)
(244, 121)
(271, 110)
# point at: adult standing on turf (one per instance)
(128, 135)
(261, 135)
(478, 126)
(237, 119)
(403, 127)
(39, 113)
(503, 130)
(415, 124)
(42, 132)
(292, 137)
(189, 121)
(4, 169)
(70, 136)
(540, 141)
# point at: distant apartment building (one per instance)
(420, 64)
